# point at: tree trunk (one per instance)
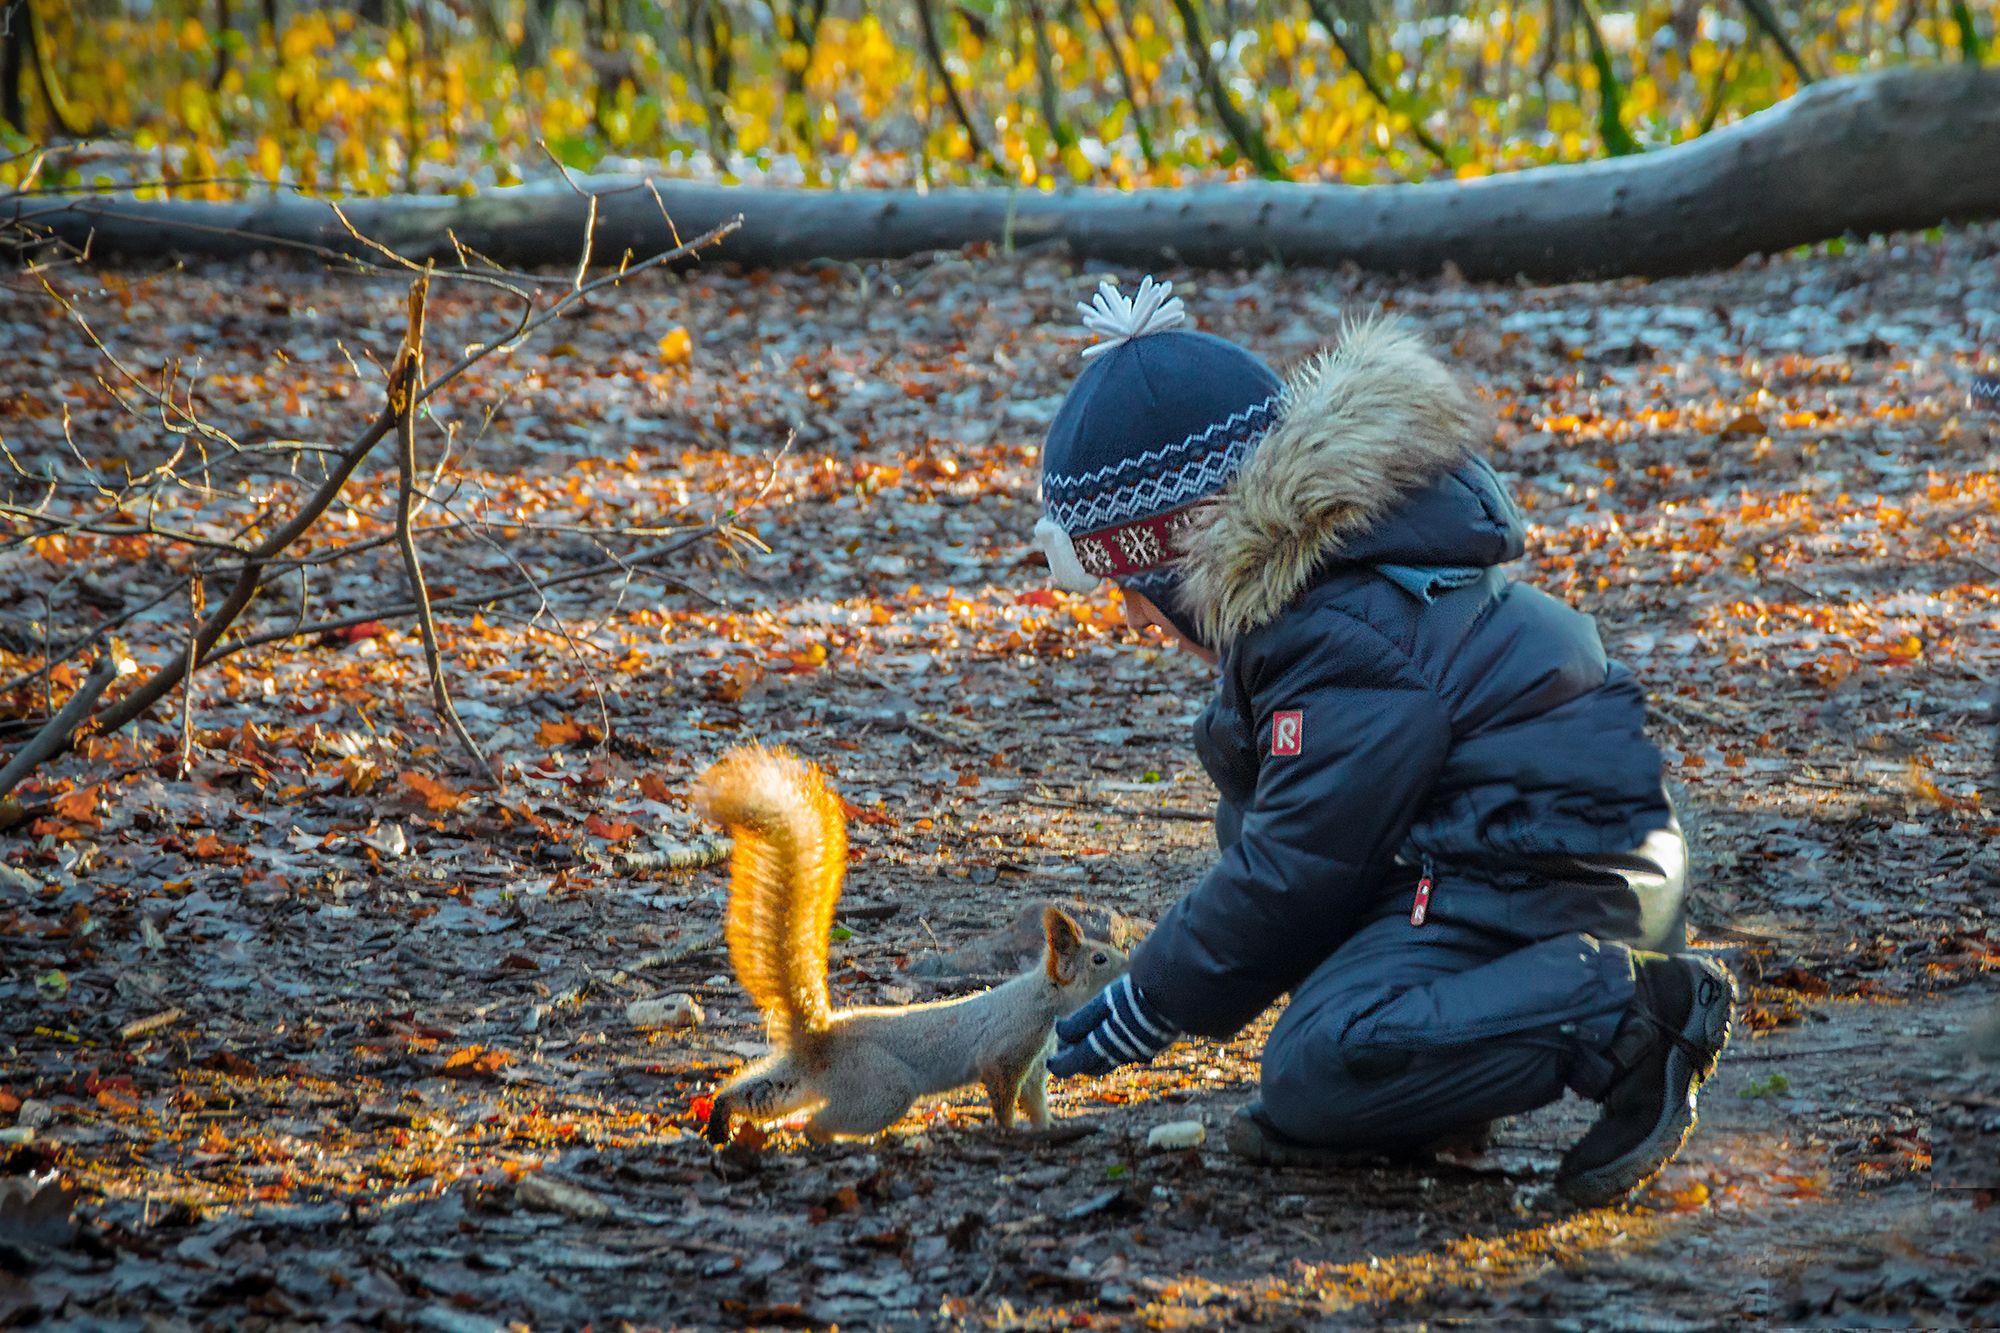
(13, 63)
(1880, 153)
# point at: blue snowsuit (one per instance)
(1390, 708)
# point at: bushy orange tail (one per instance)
(784, 879)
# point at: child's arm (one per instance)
(1324, 823)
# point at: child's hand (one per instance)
(1116, 1027)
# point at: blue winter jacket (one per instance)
(1366, 726)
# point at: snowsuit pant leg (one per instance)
(1407, 1033)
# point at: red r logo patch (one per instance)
(1288, 732)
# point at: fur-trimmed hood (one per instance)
(1372, 461)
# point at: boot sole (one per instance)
(1246, 1139)
(1708, 1027)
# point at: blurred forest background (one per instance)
(380, 96)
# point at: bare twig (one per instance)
(195, 591)
(408, 374)
(474, 600)
(257, 560)
(55, 737)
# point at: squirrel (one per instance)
(863, 1068)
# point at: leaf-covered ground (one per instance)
(322, 1031)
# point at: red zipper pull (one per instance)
(1422, 907)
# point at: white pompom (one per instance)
(1069, 573)
(1121, 318)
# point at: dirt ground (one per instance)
(382, 1073)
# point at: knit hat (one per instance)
(1158, 422)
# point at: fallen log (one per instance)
(1884, 152)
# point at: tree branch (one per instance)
(1357, 60)
(1246, 133)
(56, 735)
(934, 49)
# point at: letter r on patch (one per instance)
(1288, 732)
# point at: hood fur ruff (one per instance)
(1366, 421)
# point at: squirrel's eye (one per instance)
(1100, 959)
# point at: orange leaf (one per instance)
(475, 1062)
(208, 847)
(79, 806)
(1037, 597)
(552, 734)
(9, 1103)
(610, 832)
(654, 788)
(434, 794)
(866, 814)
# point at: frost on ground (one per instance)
(322, 1031)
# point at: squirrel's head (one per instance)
(1078, 967)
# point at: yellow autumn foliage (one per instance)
(330, 103)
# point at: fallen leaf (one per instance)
(80, 806)
(551, 735)
(475, 1062)
(434, 794)
(610, 832)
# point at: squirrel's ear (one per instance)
(1065, 943)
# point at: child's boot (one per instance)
(1663, 1050)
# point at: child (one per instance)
(1442, 827)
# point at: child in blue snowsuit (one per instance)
(1442, 828)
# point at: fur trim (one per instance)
(1367, 421)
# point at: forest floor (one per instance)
(311, 1029)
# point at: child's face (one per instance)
(1141, 615)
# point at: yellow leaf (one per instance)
(677, 348)
(270, 158)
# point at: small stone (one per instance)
(677, 1010)
(1177, 1134)
(548, 1195)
